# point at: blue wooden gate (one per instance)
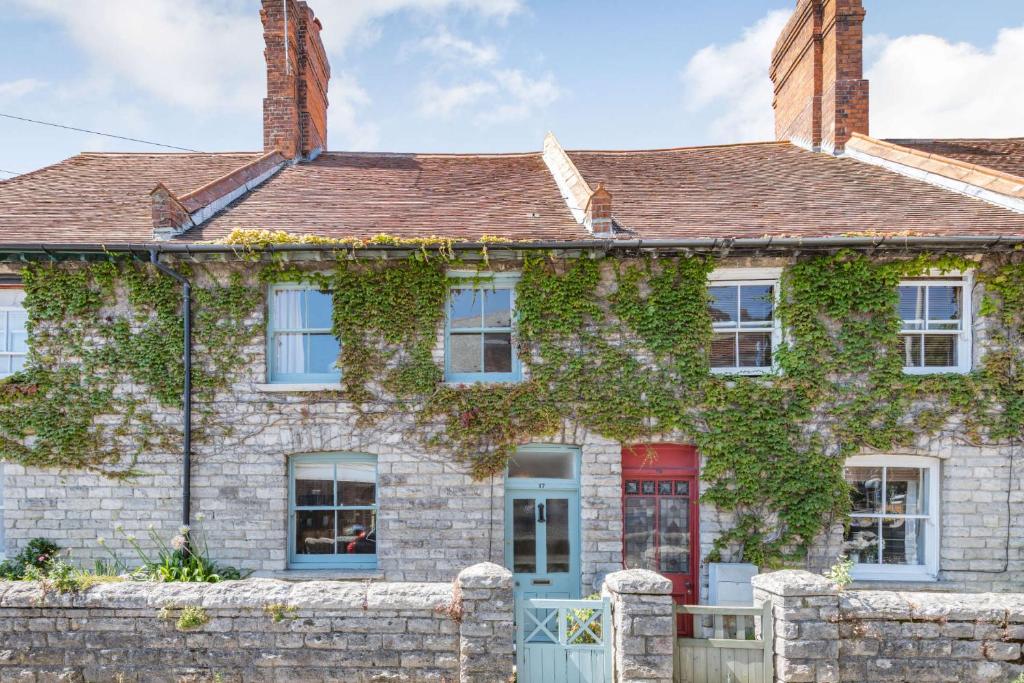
(563, 641)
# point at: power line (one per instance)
(95, 132)
(4, 170)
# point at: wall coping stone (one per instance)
(638, 581)
(789, 583)
(940, 607)
(485, 575)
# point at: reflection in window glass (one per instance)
(674, 535)
(13, 332)
(541, 465)
(931, 322)
(639, 533)
(524, 533)
(303, 347)
(657, 525)
(742, 317)
(557, 531)
(335, 508)
(479, 343)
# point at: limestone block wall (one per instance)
(822, 634)
(643, 623)
(262, 630)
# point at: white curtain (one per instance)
(287, 312)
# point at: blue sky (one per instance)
(484, 75)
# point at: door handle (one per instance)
(540, 512)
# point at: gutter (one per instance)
(961, 242)
(186, 396)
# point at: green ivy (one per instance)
(618, 348)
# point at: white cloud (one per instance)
(346, 129)
(731, 81)
(440, 101)
(506, 95)
(452, 48)
(925, 86)
(921, 85)
(11, 90)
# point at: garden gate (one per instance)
(563, 641)
(738, 651)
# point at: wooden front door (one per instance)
(660, 507)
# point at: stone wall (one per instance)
(643, 625)
(262, 630)
(823, 635)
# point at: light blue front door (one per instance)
(542, 523)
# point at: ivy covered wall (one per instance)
(611, 346)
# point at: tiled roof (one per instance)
(1005, 155)
(361, 195)
(95, 197)
(779, 189)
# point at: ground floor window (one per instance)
(333, 511)
(893, 532)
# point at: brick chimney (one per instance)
(821, 97)
(295, 108)
(599, 211)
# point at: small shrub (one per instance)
(277, 611)
(573, 625)
(189, 618)
(37, 553)
(839, 573)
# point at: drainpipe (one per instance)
(186, 397)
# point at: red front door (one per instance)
(660, 526)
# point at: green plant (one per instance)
(574, 625)
(37, 554)
(277, 611)
(185, 559)
(189, 617)
(839, 573)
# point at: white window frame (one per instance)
(751, 277)
(6, 311)
(964, 344)
(929, 571)
(318, 380)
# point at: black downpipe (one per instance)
(186, 398)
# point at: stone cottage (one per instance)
(566, 362)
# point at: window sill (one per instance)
(909, 585)
(744, 372)
(294, 388)
(322, 574)
(935, 371)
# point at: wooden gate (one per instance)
(739, 649)
(563, 641)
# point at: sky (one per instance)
(484, 75)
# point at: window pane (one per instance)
(903, 541)
(357, 483)
(674, 531)
(323, 353)
(289, 354)
(4, 339)
(318, 310)
(464, 352)
(756, 303)
(286, 309)
(866, 489)
(909, 348)
(724, 304)
(911, 307)
(723, 351)
(524, 534)
(558, 535)
(464, 308)
(944, 307)
(682, 488)
(498, 308)
(527, 464)
(664, 488)
(357, 532)
(905, 491)
(314, 532)
(755, 349)
(940, 350)
(17, 363)
(632, 488)
(497, 352)
(314, 484)
(861, 540)
(639, 533)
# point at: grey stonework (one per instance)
(261, 630)
(433, 518)
(643, 624)
(823, 635)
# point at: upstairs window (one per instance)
(302, 346)
(745, 333)
(13, 331)
(935, 326)
(478, 344)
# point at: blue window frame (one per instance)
(332, 511)
(479, 344)
(301, 346)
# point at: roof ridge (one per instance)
(765, 143)
(474, 155)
